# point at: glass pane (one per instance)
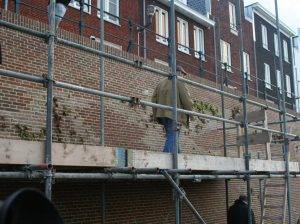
(113, 10)
(157, 22)
(163, 25)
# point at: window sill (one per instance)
(162, 40)
(78, 8)
(117, 23)
(228, 69)
(184, 50)
(268, 87)
(266, 48)
(198, 57)
(234, 31)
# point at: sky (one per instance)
(289, 10)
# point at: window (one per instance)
(285, 51)
(225, 54)
(232, 18)
(199, 42)
(264, 33)
(76, 4)
(162, 26)
(247, 65)
(288, 86)
(276, 48)
(112, 7)
(183, 35)
(267, 76)
(278, 77)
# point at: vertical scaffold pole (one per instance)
(49, 121)
(102, 72)
(172, 61)
(81, 22)
(245, 120)
(284, 126)
(224, 132)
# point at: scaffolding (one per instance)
(174, 175)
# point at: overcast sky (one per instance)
(289, 10)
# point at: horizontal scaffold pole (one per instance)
(135, 177)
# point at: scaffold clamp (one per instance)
(47, 80)
(138, 63)
(134, 101)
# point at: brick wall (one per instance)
(23, 104)
(132, 10)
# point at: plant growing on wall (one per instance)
(204, 108)
(235, 111)
(25, 134)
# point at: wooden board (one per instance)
(28, 152)
(148, 159)
(254, 116)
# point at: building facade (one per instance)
(203, 28)
(267, 55)
(22, 115)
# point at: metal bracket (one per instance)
(247, 156)
(242, 99)
(138, 63)
(47, 80)
(47, 38)
(134, 102)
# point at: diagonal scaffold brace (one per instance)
(183, 196)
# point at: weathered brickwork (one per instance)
(76, 120)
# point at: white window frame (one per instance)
(199, 42)
(86, 8)
(232, 18)
(278, 79)
(285, 51)
(288, 86)
(268, 82)
(264, 36)
(224, 44)
(163, 35)
(246, 59)
(107, 18)
(183, 35)
(276, 48)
